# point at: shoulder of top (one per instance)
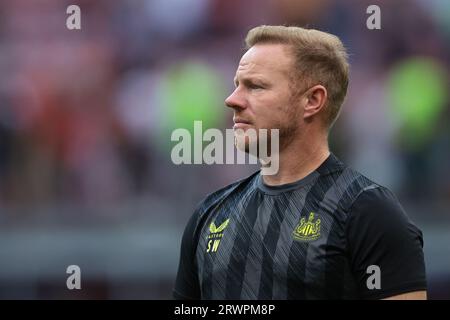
(362, 185)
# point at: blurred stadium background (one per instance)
(86, 117)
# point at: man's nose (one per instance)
(235, 100)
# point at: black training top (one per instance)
(334, 234)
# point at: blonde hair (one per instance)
(320, 58)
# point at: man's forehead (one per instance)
(265, 58)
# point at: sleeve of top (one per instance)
(187, 283)
(380, 234)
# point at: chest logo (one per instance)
(307, 230)
(215, 235)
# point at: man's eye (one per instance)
(255, 86)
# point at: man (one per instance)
(316, 229)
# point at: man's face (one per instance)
(263, 98)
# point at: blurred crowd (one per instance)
(86, 115)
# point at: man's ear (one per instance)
(316, 98)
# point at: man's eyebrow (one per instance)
(248, 79)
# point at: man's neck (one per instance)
(298, 160)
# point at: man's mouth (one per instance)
(240, 123)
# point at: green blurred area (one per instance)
(191, 91)
(418, 93)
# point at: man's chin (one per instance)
(242, 142)
(248, 140)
